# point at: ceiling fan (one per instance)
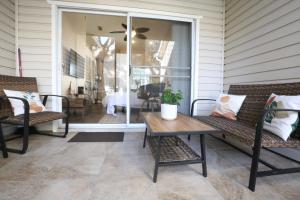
(136, 32)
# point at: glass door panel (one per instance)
(160, 58)
(94, 57)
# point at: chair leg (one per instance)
(254, 168)
(145, 138)
(66, 127)
(203, 155)
(25, 138)
(2, 143)
(189, 137)
(255, 160)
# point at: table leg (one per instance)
(157, 158)
(145, 138)
(203, 155)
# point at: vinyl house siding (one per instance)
(34, 30)
(7, 44)
(34, 22)
(262, 41)
(7, 37)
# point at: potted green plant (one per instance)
(169, 102)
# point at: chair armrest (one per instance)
(260, 124)
(26, 106)
(53, 95)
(193, 104)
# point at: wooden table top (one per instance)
(180, 126)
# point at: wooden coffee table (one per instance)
(167, 147)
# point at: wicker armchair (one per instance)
(27, 119)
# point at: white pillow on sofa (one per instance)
(228, 106)
(282, 123)
(33, 99)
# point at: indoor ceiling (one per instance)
(102, 25)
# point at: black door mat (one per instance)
(98, 137)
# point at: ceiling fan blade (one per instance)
(141, 36)
(142, 30)
(125, 38)
(124, 26)
(117, 32)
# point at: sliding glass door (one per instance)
(160, 58)
(116, 65)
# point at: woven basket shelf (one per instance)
(172, 149)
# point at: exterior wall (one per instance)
(262, 44)
(34, 23)
(7, 44)
(7, 37)
(35, 39)
(262, 41)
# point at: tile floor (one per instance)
(57, 170)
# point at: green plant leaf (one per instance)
(171, 97)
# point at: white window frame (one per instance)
(56, 18)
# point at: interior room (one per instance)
(94, 65)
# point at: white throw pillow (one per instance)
(228, 106)
(282, 123)
(33, 99)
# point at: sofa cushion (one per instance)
(228, 106)
(282, 123)
(33, 98)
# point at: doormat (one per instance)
(98, 137)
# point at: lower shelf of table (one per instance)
(173, 151)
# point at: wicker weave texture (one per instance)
(246, 134)
(244, 128)
(35, 118)
(257, 96)
(14, 83)
(172, 149)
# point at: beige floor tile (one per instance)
(55, 169)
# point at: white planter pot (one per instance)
(168, 112)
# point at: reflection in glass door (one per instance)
(160, 58)
(94, 64)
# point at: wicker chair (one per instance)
(248, 129)
(27, 120)
(151, 95)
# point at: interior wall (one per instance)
(262, 41)
(7, 37)
(74, 37)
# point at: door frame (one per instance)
(57, 7)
